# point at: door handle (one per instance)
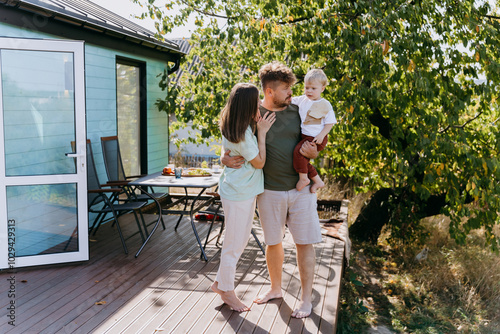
(77, 155)
(73, 155)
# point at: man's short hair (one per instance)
(275, 72)
(316, 75)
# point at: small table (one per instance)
(197, 201)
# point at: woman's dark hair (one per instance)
(239, 112)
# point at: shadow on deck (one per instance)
(167, 289)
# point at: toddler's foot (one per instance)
(229, 297)
(301, 184)
(317, 185)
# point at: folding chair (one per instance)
(116, 173)
(102, 204)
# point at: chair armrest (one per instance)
(99, 191)
(116, 183)
(214, 194)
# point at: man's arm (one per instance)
(231, 162)
(309, 150)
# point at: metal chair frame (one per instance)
(97, 196)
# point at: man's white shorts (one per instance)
(296, 209)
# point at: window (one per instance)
(132, 115)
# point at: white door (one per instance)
(43, 189)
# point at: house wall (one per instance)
(100, 77)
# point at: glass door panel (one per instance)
(46, 218)
(43, 200)
(38, 111)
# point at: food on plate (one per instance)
(188, 172)
(196, 171)
(168, 171)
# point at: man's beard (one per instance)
(283, 103)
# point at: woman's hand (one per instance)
(264, 123)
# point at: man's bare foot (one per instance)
(317, 185)
(303, 311)
(229, 297)
(267, 296)
(301, 184)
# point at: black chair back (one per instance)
(112, 158)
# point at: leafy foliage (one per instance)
(414, 84)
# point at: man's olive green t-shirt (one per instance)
(281, 140)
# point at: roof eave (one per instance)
(94, 25)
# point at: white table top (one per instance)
(159, 180)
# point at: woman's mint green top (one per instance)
(245, 182)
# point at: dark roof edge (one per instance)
(49, 11)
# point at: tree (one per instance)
(414, 84)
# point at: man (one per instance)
(281, 203)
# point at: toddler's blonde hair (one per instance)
(316, 75)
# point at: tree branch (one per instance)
(300, 19)
(397, 10)
(493, 17)
(207, 13)
(461, 126)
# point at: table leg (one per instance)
(185, 206)
(191, 216)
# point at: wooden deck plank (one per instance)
(219, 313)
(127, 287)
(46, 297)
(79, 288)
(290, 298)
(134, 307)
(216, 307)
(119, 288)
(249, 322)
(40, 275)
(172, 300)
(168, 287)
(189, 301)
(332, 293)
(312, 323)
(201, 309)
(185, 303)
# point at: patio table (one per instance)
(198, 201)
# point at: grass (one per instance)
(456, 289)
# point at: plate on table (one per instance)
(190, 172)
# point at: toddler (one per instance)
(317, 118)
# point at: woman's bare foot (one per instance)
(317, 185)
(229, 297)
(303, 311)
(267, 296)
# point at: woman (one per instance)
(239, 188)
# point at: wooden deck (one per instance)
(166, 289)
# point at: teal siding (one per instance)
(100, 76)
